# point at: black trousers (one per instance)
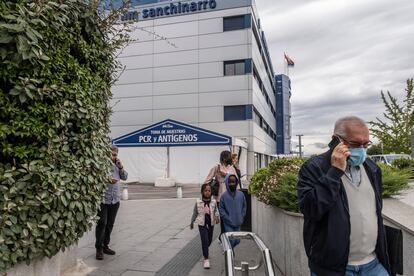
(103, 230)
(206, 235)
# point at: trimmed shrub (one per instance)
(403, 163)
(58, 62)
(406, 165)
(394, 181)
(276, 184)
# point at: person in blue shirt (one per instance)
(232, 207)
(109, 207)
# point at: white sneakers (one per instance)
(206, 264)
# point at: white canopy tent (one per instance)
(185, 162)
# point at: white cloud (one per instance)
(345, 53)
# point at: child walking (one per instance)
(205, 214)
(232, 207)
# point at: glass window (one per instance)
(237, 112)
(239, 68)
(236, 67)
(266, 160)
(257, 118)
(228, 69)
(256, 162)
(236, 22)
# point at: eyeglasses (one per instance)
(353, 144)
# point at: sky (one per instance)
(345, 53)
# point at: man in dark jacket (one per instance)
(340, 197)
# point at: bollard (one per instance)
(179, 192)
(125, 192)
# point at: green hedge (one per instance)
(406, 165)
(394, 180)
(57, 65)
(276, 184)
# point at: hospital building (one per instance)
(197, 79)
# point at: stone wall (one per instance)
(281, 231)
(54, 266)
(401, 216)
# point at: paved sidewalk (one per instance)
(152, 237)
(148, 191)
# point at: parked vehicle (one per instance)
(388, 158)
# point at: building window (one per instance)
(237, 67)
(237, 22)
(257, 161)
(238, 112)
(257, 118)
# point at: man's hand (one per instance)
(216, 220)
(339, 156)
(114, 180)
(118, 163)
(191, 226)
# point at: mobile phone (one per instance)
(334, 142)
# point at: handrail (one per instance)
(229, 258)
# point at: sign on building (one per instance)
(170, 133)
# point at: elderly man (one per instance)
(340, 197)
(109, 207)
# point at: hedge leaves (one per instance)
(57, 65)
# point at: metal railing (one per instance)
(245, 268)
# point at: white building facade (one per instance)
(203, 63)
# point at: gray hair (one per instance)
(114, 148)
(342, 123)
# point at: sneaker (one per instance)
(206, 264)
(99, 254)
(108, 251)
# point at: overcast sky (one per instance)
(345, 53)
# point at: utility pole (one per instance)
(300, 144)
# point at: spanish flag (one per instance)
(289, 61)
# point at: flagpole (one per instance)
(287, 67)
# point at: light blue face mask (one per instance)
(357, 156)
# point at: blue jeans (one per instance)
(373, 268)
(228, 228)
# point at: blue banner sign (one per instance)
(170, 133)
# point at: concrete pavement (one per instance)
(408, 196)
(151, 237)
(148, 191)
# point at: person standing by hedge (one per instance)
(339, 194)
(235, 161)
(109, 207)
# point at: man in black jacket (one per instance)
(340, 197)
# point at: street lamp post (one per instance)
(300, 144)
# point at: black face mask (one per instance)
(228, 162)
(232, 187)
